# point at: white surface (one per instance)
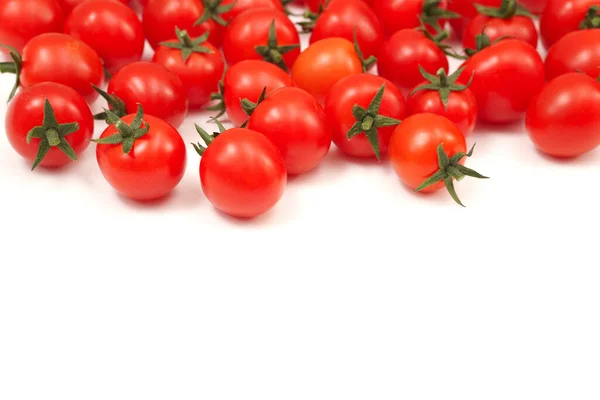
(352, 287)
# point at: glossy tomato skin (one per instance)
(564, 118)
(577, 51)
(341, 17)
(413, 148)
(296, 123)
(396, 15)
(200, 73)
(461, 108)
(323, 64)
(241, 6)
(60, 58)
(112, 29)
(251, 29)
(242, 173)
(360, 90)
(246, 80)
(26, 111)
(466, 8)
(517, 27)
(20, 21)
(506, 77)
(69, 5)
(160, 92)
(401, 55)
(535, 6)
(561, 17)
(153, 167)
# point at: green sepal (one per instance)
(438, 38)
(273, 52)
(369, 62)
(248, 106)
(13, 67)
(592, 19)
(187, 45)
(220, 99)
(442, 83)
(115, 104)
(126, 134)
(432, 13)
(213, 10)
(507, 10)
(482, 41)
(310, 18)
(207, 138)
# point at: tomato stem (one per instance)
(126, 134)
(53, 138)
(507, 10)
(591, 20)
(442, 83)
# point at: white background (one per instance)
(353, 287)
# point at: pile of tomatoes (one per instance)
(374, 80)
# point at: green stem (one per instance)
(53, 137)
(275, 56)
(8, 67)
(367, 123)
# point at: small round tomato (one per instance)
(49, 124)
(157, 89)
(362, 111)
(324, 63)
(69, 5)
(296, 123)
(239, 6)
(440, 95)
(564, 118)
(467, 11)
(427, 152)
(534, 6)
(20, 21)
(577, 51)
(196, 62)
(140, 156)
(112, 29)
(242, 172)
(396, 15)
(262, 34)
(506, 76)
(402, 54)
(563, 16)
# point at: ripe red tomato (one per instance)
(402, 54)
(246, 80)
(161, 17)
(157, 89)
(49, 124)
(112, 29)
(262, 34)
(534, 6)
(196, 62)
(396, 15)
(242, 172)
(466, 9)
(427, 152)
(69, 5)
(324, 63)
(440, 95)
(362, 111)
(296, 123)
(577, 51)
(563, 16)
(564, 118)
(20, 21)
(341, 18)
(239, 6)
(506, 76)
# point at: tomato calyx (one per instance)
(220, 99)
(115, 104)
(213, 10)
(368, 120)
(450, 169)
(366, 63)
(248, 106)
(482, 41)
(507, 10)
(126, 134)
(12, 67)
(187, 45)
(207, 137)
(432, 13)
(442, 83)
(272, 52)
(311, 18)
(592, 19)
(438, 38)
(52, 134)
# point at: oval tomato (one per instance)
(577, 51)
(396, 15)
(564, 118)
(49, 124)
(69, 5)
(362, 111)
(563, 16)
(296, 123)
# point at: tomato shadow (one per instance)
(589, 158)
(483, 128)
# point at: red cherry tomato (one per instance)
(466, 9)
(561, 17)
(402, 54)
(577, 51)
(57, 141)
(296, 123)
(198, 64)
(69, 5)
(247, 38)
(506, 76)
(313, 5)
(242, 173)
(534, 6)
(239, 6)
(396, 15)
(564, 118)
(20, 21)
(157, 89)
(147, 168)
(361, 90)
(246, 80)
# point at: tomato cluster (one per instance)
(374, 80)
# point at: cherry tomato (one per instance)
(262, 34)
(564, 118)
(69, 5)
(49, 124)
(324, 63)
(313, 5)
(466, 9)
(157, 89)
(506, 76)
(534, 6)
(381, 107)
(296, 123)
(577, 51)
(196, 62)
(239, 6)
(563, 16)
(396, 15)
(402, 54)
(20, 21)
(242, 172)
(440, 95)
